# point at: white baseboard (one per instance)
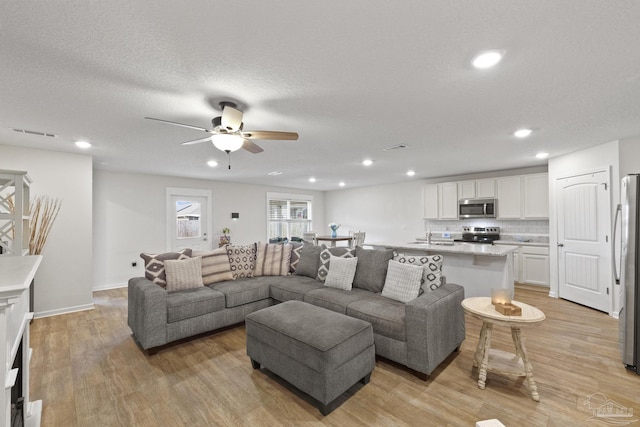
(112, 286)
(66, 310)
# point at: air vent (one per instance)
(396, 147)
(33, 132)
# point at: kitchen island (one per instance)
(476, 267)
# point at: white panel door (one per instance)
(188, 220)
(584, 260)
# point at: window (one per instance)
(288, 216)
(187, 219)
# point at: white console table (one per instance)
(16, 275)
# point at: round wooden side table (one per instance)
(487, 359)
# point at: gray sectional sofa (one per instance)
(419, 334)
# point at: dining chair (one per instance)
(358, 238)
(310, 237)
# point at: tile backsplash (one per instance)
(537, 230)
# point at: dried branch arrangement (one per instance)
(43, 212)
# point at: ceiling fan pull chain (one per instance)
(229, 158)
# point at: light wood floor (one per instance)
(89, 372)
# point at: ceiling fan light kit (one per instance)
(227, 142)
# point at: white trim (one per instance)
(111, 286)
(59, 311)
(196, 192)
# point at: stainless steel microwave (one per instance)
(477, 208)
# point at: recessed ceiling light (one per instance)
(411, 173)
(312, 179)
(83, 144)
(487, 58)
(367, 162)
(342, 184)
(522, 133)
(212, 163)
(275, 173)
(542, 155)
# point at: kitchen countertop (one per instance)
(518, 243)
(455, 248)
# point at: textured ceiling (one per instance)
(350, 77)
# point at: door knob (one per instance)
(560, 245)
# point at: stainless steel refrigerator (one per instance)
(627, 218)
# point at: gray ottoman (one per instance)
(320, 352)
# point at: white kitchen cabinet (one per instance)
(430, 201)
(448, 200)
(523, 196)
(535, 266)
(536, 196)
(509, 194)
(467, 190)
(485, 188)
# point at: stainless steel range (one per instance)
(485, 235)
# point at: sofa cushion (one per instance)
(309, 261)
(193, 303)
(215, 265)
(154, 265)
(292, 287)
(403, 281)
(335, 299)
(325, 259)
(386, 315)
(372, 268)
(296, 251)
(272, 259)
(183, 274)
(341, 272)
(243, 291)
(432, 265)
(242, 260)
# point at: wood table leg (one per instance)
(528, 368)
(477, 357)
(487, 329)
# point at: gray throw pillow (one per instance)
(371, 271)
(309, 261)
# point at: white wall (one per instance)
(385, 212)
(130, 217)
(64, 280)
(601, 156)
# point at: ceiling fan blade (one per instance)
(251, 147)
(231, 118)
(266, 134)
(179, 124)
(197, 141)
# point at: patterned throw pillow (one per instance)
(403, 281)
(432, 265)
(325, 258)
(215, 266)
(341, 273)
(296, 251)
(242, 260)
(272, 260)
(183, 274)
(154, 265)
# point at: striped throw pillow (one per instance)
(183, 274)
(403, 281)
(272, 260)
(215, 266)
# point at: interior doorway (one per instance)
(188, 219)
(584, 239)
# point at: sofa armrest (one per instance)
(435, 327)
(147, 312)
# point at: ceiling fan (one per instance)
(228, 134)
